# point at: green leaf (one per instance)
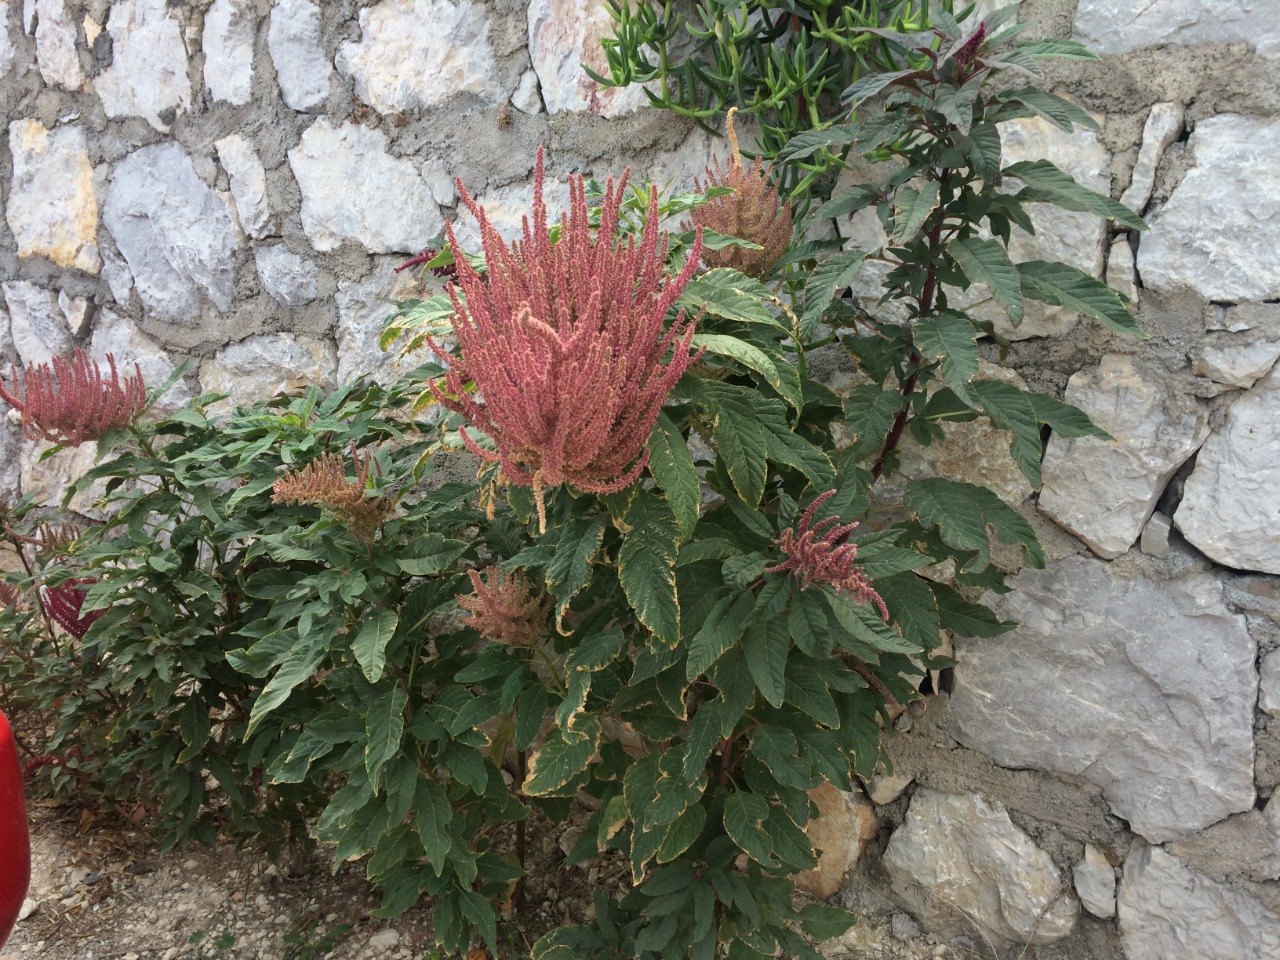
(807, 691)
(872, 83)
(766, 646)
(480, 912)
(683, 833)
(832, 275)
(646, 566)
(747, 354)
(1062, 113)
(911, 208)
(869, 412)
(912, 606)
(720, 631)
(825, 923)
(430, 554)
(865, 625)
(1048, 184)
(983, 148)
(1066, 420)
(384, 729)
(963, 511)
(570, 568)
(1010, 409)
(951, 338)
(370, 644)
(777, 748)
(985, 261)
(673, 470)
(732, 295)
(559, 763)
(1065, 286)
(432, 814)
(299, 665)
(744, 818)
(958, 615)
(808, 142)
(740, 438)
(598, 650)
(1054, 47)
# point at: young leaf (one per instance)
(1063, 285)
(646, 566)
(834, 274)
(950, 337)
(673, 470)
(732, 295)
(720, 631)
(911, 208)
(570, 568)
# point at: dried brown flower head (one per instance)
(503, 607)
(64, 602)
(71, 401)
(752, 212)
(324, 483)
(56, 538)
(565, 343)
(817, 557)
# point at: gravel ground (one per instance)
(101, 891)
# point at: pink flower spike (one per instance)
(72, 401)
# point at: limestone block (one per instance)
(362, 312)
(10, 462)
(840, 832)
(265, 366)
(229, 30)
(1103, 491)
(120, 337)
(1229, 508)
(1164, 122)
(447, 42)
(1116, 26)
(76, 311)
(148, 73)
(287, 277)
(116, 272)
(248, 185)
(527, 99)
(56, 44)
(52, 208)
(442, 186)
(7, 52)
(36, 325)
(1169, 912)
(1095, 883)
(53, 476)
(297, 51)
(1122, 269)
(1236, 361)
(1269, 686)
(353, 190)
(563, 36)
(1218, 230)
(958, 863)
(1145, 689)
(885, 788)
(175, 232)
(1154, 541)
(1244, 846)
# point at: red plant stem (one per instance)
(15, 838)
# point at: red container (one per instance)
(15, 840)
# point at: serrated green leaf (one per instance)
(869, 412)
(808, 692)
(951, 338)
(911, 208)
(672, 467)
(1066, 420)
(682, 833)
(832, 275)
(967, 619)
(1062, 113)
(956, 104)
(808, 142)
(744, 818)
(646, 566)
(963, 511)
(1010, 409)
(370, 644)
(432, 814)
(765, 646)
(559, 763)
(429, 555)
(384, 729)
(825, 923)
(912, 607)
(732, 295)
(1046, 183)
(570, 568)
(983, 148)
(1055, 47)
(872, 83)
(721, 630)
(1062, 285)
(985, 261)
(598, 650)
(747, 354)
(299, 665)
(777, 748)
(740, 438)
(865, 625)
(788, 842)
(809, 625)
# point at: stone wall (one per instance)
(233, 181)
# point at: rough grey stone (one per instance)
(1154, 541)
(1144, 689)
(526, 99)
(229, 30)
(1103, 491)
(10, 461)
(265, 366)
(52, 208)
(887, 787)
(1229, 508)
(53, 476)
(448, 42)
(289, 278)
(1218, 229)
(442, 186)
(1162, 127)
(36, 325)
(1122, 269)
(362, 313)
(118, 336)
(56, 44)
(116, 272)
(76, 311)
(1095, 883)
(7, 52)
(346, 176)
(148, 73)
(297, 51)
(959, 862)
(1236, 361)
(1263, 317)
(1169, 912)
(1117, 26)
(564, 35)
(1244, 846)
(175, 232)
(248, 184)
(1269, 685)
